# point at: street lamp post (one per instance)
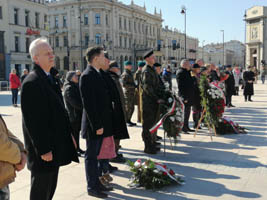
(203, 50)
(245, 16)
(223, 46)
(183, 12)
(81, 43)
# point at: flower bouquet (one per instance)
(152, 175)
(171, 117)
(227, 126)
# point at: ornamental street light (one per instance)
(245, 17)
(183, 12)
(223, 45)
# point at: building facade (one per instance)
(256, 36)
(126, 31)
(173, 47)
(23, 21)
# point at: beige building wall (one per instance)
(15, 28)
(256, 36)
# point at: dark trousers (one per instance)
(247, 97)
(91, 163)
(149, 120)
(4, 193)
(236, 90)
(228, 100)
(187, 111)
(263, 79)
(76, 127)
(196, 114)
(43, 185)
(14, 95)
(103, 166)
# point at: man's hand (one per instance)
(100, 131)
(22, 163)
(47, 157)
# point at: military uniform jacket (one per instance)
(149, 85)
(128, 82)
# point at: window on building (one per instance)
(16, 16)
(135, 27)
(27, 45)
(64, 21)
(1, 13)
(120, 22)
(37, 20)
(45, 22)
(98, 38)
(143, 28)
(65, 41)
(120, 41)
(16, 43)
(57, 41)
(66, 63)
(130, 42)
(130, 24)
(86, 19)
(97, 18)
(86, 39)
(125, 42)
(125, 25)
(56, 21)
(27, 15)
(107, 37)
(107, 22)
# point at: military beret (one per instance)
(195, 66)
(157, 65)
(127, 62)
(141, 63)
(202, 69)
(148, 53)
(113, 63)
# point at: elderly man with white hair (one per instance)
(185, 84)
(46, 126)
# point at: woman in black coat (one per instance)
(249, 78)
(229, 86)
(74, 106)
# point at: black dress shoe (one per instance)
(150, 150)
(118, 159)
(82, 155)
(185, 131)
(231, 105)
(111, 168)
(250, 100)
(131, 123)
(157, 143)
(103, 188)
(97, 193)
(159, 138)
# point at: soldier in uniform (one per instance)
(149, 84)
(129, 86)
(137, 76)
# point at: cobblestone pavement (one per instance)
(229, 167)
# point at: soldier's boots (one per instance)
(151, 148)
(131, 123)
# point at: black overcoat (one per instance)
(248, 87)
(120, 130)
(97, 105)
(45, 121)
(185, 85)
(230, 84)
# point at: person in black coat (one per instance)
(229, 86)
(249, 78)
(185, 90)
(167, 76)
(74, 106)
(46, 129)
(97, 117)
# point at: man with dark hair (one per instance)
(229, 86)
(25, 73)
(150, 101)
(129, 91)
(97, 117)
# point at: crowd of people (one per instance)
(97, 104)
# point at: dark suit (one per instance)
(185, 84)
(97, 114)
(45, 128)
(229, 88)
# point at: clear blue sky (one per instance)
(205, 18)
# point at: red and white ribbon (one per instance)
(160, 122)
(232, 123)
